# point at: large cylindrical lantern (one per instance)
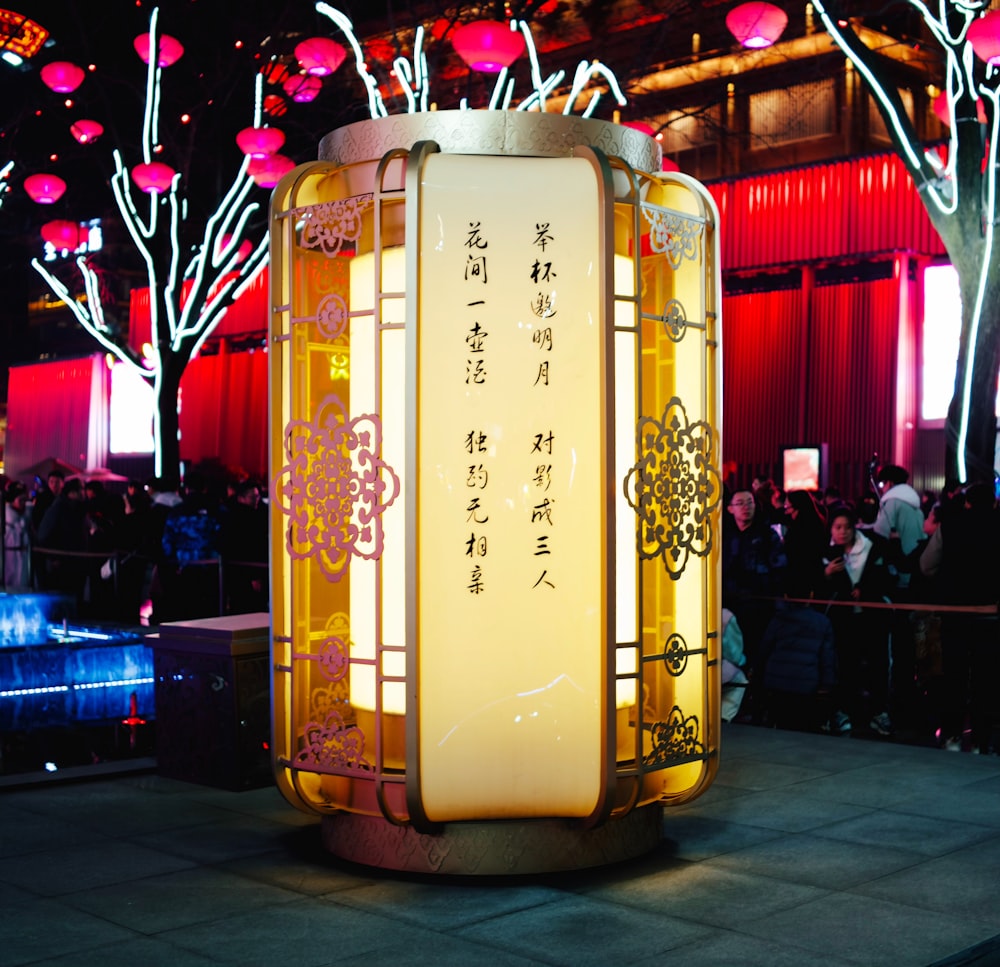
(495, 405)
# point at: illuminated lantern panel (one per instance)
(487, 45)
(320, 55)
(495, 497)
(170, 49)
(85, 131)
(45, 189)
(23, 38)
(757, 24)
(61, 76)
(260, 142)
(153, 177)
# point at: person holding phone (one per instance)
(854, 569)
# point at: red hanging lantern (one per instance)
(274, 72)
(260, 142)
(488, 45)
(756, 24)
(170, 49)
(274, 104)
(302, 88)
(62, 234)
(45, 189)
(61, 76)
(86, 132)
(984, 35)
(267, 172)
(940, 107)
(320, 55)
(153, 177)
(242, 252)
(646, 129)
(668, 164)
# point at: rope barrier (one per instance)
(987, 609)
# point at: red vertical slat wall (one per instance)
(829, 211)
(761, 374)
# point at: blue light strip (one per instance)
(49, 689)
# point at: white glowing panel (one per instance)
(942, 325)
(132, 403)
(512, 500)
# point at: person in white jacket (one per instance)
(900, 518)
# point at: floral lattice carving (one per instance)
(327, 226)
(675, 655)
(675, 320)
(673, 234)
(332, 316)
(675, 741)
(331, 744)
(334, 488)
(674, 488)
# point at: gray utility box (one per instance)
(213, 700)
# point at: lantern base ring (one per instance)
(493, 848)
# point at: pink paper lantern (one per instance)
(242, 252)
(170, 49)
(302, 87)
(63, 234)
(320, 55)
(668, 164)
(267, 172)
(61, 76)
(756, 24)
(153, 177)
(260, 142)
(488, 45)
(85, 131)
(940, 107)
(45, 189)
(984, 35)
(646, 129)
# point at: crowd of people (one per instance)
(834, 599)
(155, 552)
